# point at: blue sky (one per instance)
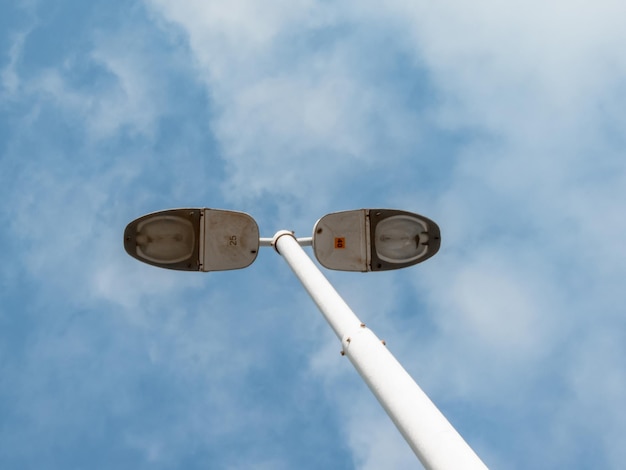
(503, 122)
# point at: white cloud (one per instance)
(306, 113)
(8, 75)
(125, 92)
(288, 118)
(534, 94)
(517, 56)
(128, 101)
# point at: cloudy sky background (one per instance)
(503, 122)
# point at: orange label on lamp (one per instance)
(340, 242)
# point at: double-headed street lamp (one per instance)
(358, 240)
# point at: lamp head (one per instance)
(374, 239)
(194, 239)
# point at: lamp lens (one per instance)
(165, 239)
(400, 239)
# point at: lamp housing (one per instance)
(194, 239)
(374, 239)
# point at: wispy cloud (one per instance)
(502, 123)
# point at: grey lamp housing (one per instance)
(374, 240)
(194, 239)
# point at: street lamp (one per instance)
(359, 240)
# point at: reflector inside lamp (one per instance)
(165, 239)
(400, 239)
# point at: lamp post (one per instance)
(360, 240)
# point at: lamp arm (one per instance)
(302, 241)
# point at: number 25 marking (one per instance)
(232, 240)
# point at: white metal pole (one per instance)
(433, 439)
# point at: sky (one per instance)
(504, 122)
